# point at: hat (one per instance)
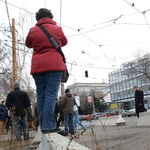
(3, 102)
(16, 85)
(67, 91)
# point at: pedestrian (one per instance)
(29, 118)
(17, 102)
(76, 114)
(8, 122)
(3, 117)
(36, 116)
(67, 106)
(139, 100)
(61, 115)
(47, 67)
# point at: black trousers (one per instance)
(61, 118)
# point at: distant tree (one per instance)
(139, 66)
(100, 105)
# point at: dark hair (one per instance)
(67, 91)
(43, 12)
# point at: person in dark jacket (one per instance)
(18, 102)
(139, 101)
(36, 116)
(67, 106)
(29, 118)
(47, 67)
(61, 115)
(3, 117)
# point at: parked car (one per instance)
(123, 113)
(131, 112)
(87, 117)
(95, 116)
(114, 113)
(105, 115)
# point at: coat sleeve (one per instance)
(8, 101)
(28, 40)
(141, 97)
(27, 100)
(64, 40)
(1, 112)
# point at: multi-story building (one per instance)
(100, 89)
(122, 81)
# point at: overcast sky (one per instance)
(90, 23)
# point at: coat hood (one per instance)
(45, 20)
(68, 95)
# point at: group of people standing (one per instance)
(17, 110)
(68, 112)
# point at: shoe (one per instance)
(51, 131)
(72, 133)
(65, 134)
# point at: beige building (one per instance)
(100, 89)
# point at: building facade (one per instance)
(121, 86)
(100, 89)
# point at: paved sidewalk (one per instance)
(115, 138)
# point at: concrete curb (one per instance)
(54, 141)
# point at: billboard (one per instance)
(113, 106)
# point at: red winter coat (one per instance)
(45, 57)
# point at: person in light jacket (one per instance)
(76, 114)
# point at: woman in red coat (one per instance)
(47, 67)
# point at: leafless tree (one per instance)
(141, 65)
(23, 59)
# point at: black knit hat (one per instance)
(67, 91)
(3, 102)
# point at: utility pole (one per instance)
(14, 63)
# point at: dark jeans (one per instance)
(68, 118)
(37, 121)
(16, 122)
(47, 84)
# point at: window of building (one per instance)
(134, 82)
(143, 88)
(121, 94)
(124, 85)
(131, 83)
(127, 84)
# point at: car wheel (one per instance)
(129, 116)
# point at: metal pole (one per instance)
(93, 104)
(14, 63)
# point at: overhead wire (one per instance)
(91, 66)
(60, 11)
(8, 14)
(86, 42)
(143, 13)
